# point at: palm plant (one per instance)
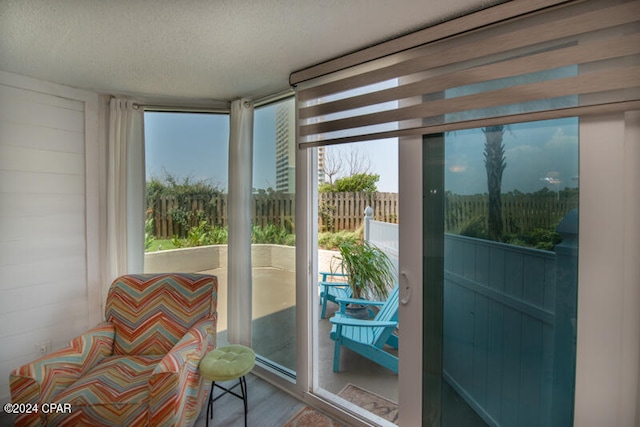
(370, 271)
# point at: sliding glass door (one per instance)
(501, 274)
(357, 204)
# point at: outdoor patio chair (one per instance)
(139, 367)
(367, 337)
(331, 290)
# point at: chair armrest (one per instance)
(334, 284)
(344, 301)
(175, 384)
(325, 274)
(348, 321)
(40, 380)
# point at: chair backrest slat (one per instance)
(388, 313)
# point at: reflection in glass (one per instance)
(508, 273)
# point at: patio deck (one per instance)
(274, 304)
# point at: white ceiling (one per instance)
(215, 49)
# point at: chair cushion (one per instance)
(115, 390)
(152, 312)
(227, 363)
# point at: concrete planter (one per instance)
(210, 257)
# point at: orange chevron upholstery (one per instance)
(140, 367)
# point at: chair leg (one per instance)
(336, 356)
(324, 307)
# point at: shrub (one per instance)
(360, 182)
(202, 235)
(183, 191)
(148, 233)
(271, 234)
(330, 240)
(539, 238)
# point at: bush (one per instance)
(148, 233)
(360, 182)
(202, 235)
(330, 240)
(539, 238)
(475, 227)
(271, 234)
(183, 191)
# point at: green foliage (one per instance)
(160, 245)
(148, 233)
(327, 213)
(361, 182)
(202, 235)
(539, 238)
(475, 227)
(326, 188)
(183, 191)
(328, 240)
(272, 234)
(370, 270)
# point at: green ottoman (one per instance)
(224, 364)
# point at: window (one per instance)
(186, 156)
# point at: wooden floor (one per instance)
(268, 406)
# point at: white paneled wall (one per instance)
(44, 292)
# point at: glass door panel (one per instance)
(273, 238)
(357, 202)
(501, 212)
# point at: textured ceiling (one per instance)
(215, 49)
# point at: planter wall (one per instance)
(211, 257)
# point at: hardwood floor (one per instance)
(268, 406)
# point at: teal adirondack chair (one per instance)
(367, 337)
(331, 291)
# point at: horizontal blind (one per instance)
(575, 59)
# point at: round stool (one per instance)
(224, 364)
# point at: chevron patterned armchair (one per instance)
(138, 368)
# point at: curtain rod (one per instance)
(186, 107)
(270, 99)
(179, 109)
(217, 107)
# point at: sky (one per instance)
(195, 146)
(187, 145)
(538, 155)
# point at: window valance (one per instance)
(572, 59)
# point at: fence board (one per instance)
(346, 211)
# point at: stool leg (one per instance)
(243, 389)
(210, 403)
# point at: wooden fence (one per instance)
(520, 212)
(345, 211)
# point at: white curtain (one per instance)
(239, 211)
(125, 190)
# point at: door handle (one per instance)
(405, 288)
